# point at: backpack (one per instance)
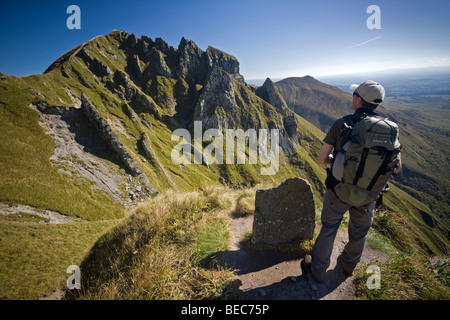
(366, 159)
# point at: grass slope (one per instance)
(28, 177)
(167, 249)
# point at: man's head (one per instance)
(368, 94)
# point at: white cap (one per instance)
(370, 91)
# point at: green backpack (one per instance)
(366, 160)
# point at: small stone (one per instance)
(262, 292)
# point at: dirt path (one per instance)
(273, 275)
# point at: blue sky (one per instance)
(275, 39)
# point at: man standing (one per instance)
(366, 98)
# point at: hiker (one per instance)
(366, 98)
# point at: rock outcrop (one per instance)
(284, 213)
(218, 99)
(270, 93)
(95, 65)
(157, 65)
(217, 58)
(135, 66)
(122, 85)
(191, 64)
(109, 135)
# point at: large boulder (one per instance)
(284, 213)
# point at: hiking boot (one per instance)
(305, 265)
(347, 271)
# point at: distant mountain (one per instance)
(319, 103)
(93, 135)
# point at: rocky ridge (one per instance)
(178, 86)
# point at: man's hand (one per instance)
(398, 168)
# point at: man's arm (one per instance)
(398, 168)
(325, 156)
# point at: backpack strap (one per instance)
(351, 119)
(349, 122)
(381, 170)
(361, 166)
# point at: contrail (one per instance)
(363, 43)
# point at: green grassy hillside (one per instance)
(28, 176)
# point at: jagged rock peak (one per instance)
(157, 64)
(163, 46)
(146, 57)
(190, 60)
(147, 39)
(187, 49)
(132, 40)
(269, 85)
(270, 93)
(188, 43)
(224, 60)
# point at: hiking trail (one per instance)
(275, 275)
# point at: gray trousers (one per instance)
(360, 221)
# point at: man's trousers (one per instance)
(361, 219)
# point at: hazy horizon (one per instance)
(402, 75)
